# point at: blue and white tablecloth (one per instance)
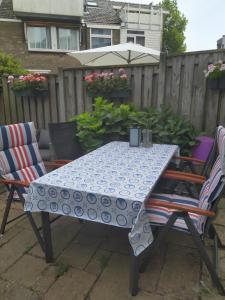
(108, 185)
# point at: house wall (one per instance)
(12, 41)
(52, 7)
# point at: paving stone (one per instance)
(220, 230)
(220, 218)
(26, 270)
(14, 212)
(15, 248)
(74, 284)
(181, 272)
(180, 238)
(148, 281)
(9, 234)
(117, 241)
(79, 253)
(17, 292)
(113, 284)
(63, 231)
(98, 262)
(95, 230)
(45, 280)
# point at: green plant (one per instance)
(108, 122)
(9, 66)
(32, 82)
(103, 262)
(61, 269)
(216, 70)
(106, 82)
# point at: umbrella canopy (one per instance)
(120, 54)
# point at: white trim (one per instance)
(104, 36)
(10, 20)
(39, 71)
(93, 25)
(54, 41)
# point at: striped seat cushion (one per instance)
(160, 215)
(20, 158)
(221, 146)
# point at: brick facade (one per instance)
(12, 41)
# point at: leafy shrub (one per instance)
(10, 66)
(108, 122)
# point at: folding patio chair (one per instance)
(192, 216)
(20, 163)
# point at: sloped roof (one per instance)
(103, 13)
(6, 9)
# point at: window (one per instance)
(68, 39)
(39, 37)
(136, 37)
(52, 38)
(101, 37)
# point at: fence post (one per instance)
(162, 79)
(62, 108)
(6, 100)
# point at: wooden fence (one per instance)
(177, 81)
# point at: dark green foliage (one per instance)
(109, 122)
(9, 66)
(173, 28)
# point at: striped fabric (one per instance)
(160, 215)
(19, 154)
(221, 146)
(209, 192)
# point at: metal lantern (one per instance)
(135, 137)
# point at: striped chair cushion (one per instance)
(20, 158)
(160, 215)
(221, 146)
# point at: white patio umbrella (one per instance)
(120, 54)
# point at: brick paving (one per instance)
(92, 263)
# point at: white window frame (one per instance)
(54, 41)
(100, 35)
(135, 35)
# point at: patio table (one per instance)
(108, 185)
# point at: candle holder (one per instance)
(147, 138)
(135, 137)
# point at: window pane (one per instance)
(140, 40)
(39, 37)
(97, 42)
(130, 39)
(101, 31)
(135, 32)
(68, 39)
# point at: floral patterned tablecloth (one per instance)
(108, 185)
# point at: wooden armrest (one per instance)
(179, 207)
(54, 165)
(182, 177)
(62, 161)
(191, 175)
(15, 182)
(186, 158)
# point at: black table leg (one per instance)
(47, 237)
(134, 273)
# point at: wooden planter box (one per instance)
(117, 95)
(31, 93)
(213, 83)
(216, 83)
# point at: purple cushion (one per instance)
(202, 150)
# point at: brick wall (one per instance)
(12, 41)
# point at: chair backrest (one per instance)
(214, 186)
(64, 142)
(20, 158)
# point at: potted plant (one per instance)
(216, 75)
(108, 85)
(29, 85)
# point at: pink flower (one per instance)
(122, 71)
(123, 76)
(10, 78)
